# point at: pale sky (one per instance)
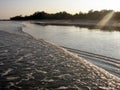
(9, 8)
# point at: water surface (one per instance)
(94, 40)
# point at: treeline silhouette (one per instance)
(90, 15)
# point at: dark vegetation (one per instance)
(91, 15)
(4, 19)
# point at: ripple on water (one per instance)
(7, 72)
(11, 78)
(1, 63)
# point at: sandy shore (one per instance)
(30, 64)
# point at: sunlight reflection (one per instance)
(105, 20)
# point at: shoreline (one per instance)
(60, 69)
(91, 24)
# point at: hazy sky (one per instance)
(9, 8)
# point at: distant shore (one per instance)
(27, 63)
(91, 24)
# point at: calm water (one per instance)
(95, 41)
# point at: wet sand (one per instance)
(30, 64)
